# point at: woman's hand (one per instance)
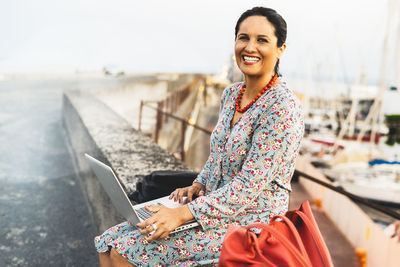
(196, 189)
(164, 221)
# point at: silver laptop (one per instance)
(137, 213)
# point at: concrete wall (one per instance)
(93, 128)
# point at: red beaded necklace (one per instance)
(268, 86)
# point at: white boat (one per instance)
(380, 183)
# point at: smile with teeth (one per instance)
(251, 59)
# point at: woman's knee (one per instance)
(104, 259)
(118, 260)
(114, 255)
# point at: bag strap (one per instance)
(293, 230)
(316, 237)
(258, 249)
(302, 259)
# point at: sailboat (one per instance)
(347, 162)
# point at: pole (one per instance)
(140, 116)
(183, 132)
(158, 122)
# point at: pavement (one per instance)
(44, 220)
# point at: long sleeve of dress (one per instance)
(271, 158)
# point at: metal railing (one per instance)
(168, 105)
(356, 198)
(184, 124)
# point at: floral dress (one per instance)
(247, 179)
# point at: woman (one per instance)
(246, 179)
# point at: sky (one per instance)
(48, 36)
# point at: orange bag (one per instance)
(291, 240)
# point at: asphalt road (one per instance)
(44, 220)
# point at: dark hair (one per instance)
(273, 17)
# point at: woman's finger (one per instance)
(174, 193)
(141, 225)
(201, 193)
(148, 229)
(145, 223)
(178, 191)
(182, 193)
(153, 209)
(152, 219)
(159, 231)
(190, 193)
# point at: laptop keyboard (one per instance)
(144, 214)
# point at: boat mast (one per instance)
(397, 56)
(375, 113)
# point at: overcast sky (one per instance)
(184, 36)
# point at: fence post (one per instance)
(173, 103)
(167, 108)
(140, 116)
(184, 126)
(161, 107)
(158, 122)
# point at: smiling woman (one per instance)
(256, 47)
(247, 176)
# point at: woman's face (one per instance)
(256, 48)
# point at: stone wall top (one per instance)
(130, 153)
